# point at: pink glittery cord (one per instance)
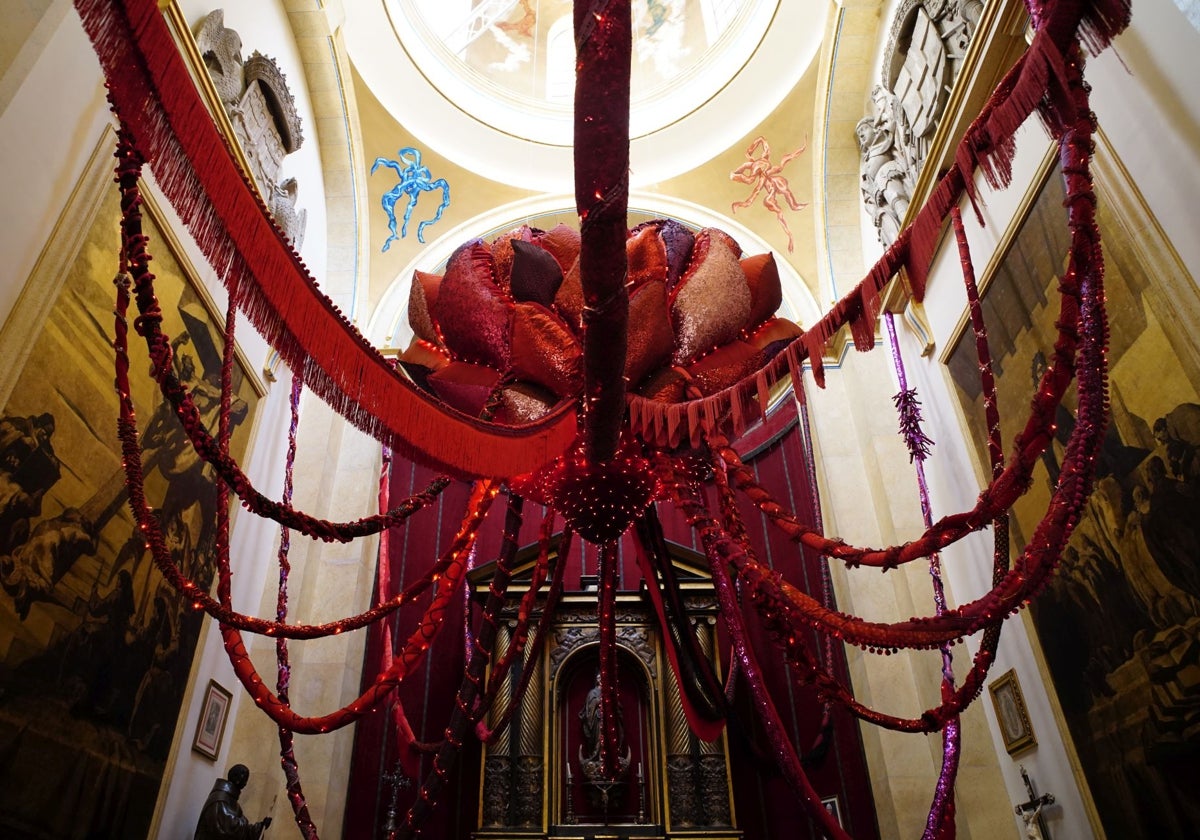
(940, 823)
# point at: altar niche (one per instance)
(540, 776)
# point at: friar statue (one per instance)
(222, 817)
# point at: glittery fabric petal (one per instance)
(725, 366)
(473, 315)
(665, 385)
(712, 303)
(523, 402)
(544, 351)
(569, 300)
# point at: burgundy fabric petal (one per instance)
(536, 274)
(544, 351)
(464, 386)
(651, 338)
(766, 293)
(421, 297)
(712, 303)
(472, 314)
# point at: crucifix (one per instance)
(1031, 810)
(396, 779)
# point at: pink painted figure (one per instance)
(768, 179)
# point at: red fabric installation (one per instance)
(705, 393)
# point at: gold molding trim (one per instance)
(1000, 253)
(186, 42)
(171, 240)
(44, 283)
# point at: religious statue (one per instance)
(589, 717)
(222, 817)
(886, 181)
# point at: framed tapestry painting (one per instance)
(1119, 624)
(95, 648)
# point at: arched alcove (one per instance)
(583, 797)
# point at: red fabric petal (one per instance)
(772, 332)
(421, 297)
(464, 386)
(766, 293)
(427, 355)
(569, 300)
(712, 303)
(651, 338)
(647, 257)
(562, 242)
(473, 315)
(725, 366)
(502, 253)
(666, 384)
(544, 351)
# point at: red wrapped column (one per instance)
(603, 46)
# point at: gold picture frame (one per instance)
(210, 724)
(1011, 714)
(1122, 606)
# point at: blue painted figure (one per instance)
(414, 179)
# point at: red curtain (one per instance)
(765, 806)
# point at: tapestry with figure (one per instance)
(95, 647)
(1119, 624)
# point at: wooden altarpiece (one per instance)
(536, 781)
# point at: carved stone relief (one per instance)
(262, 111)
(923, 57)
(634, 639)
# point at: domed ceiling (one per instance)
(490, 84)
(484, 90)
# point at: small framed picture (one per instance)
(831, 805)
(210, 727)
(1011, 714)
